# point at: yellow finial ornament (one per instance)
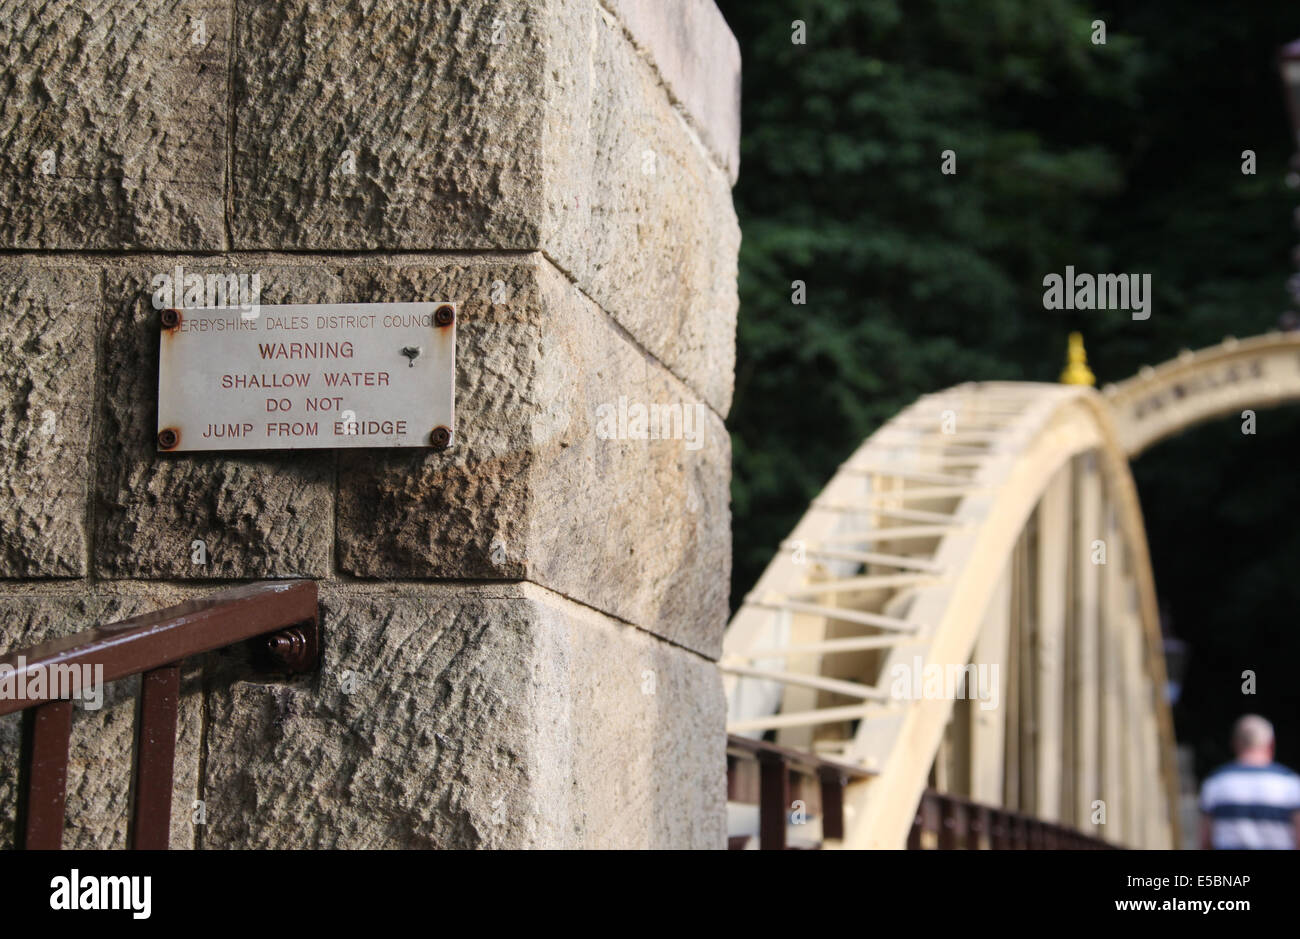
(1076, 364)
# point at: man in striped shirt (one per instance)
(1252, 802)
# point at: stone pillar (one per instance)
(520, 631)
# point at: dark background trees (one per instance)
(1122, 157)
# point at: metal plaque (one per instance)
(307, 376)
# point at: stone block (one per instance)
(114, 125)
(638, 214)
(532, 488)
(48, 313)
(471, 717)
(698, 59)
(490, 125)
(395, 124)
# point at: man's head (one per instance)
(1252, 739)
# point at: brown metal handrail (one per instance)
(151, 645)
(942, 821)
(948, 822)
(777, 767)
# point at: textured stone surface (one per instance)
(636, 210)
(474, 716)
(490, 716)
(698, 58)
(503, 125)
(530, 490)
(570, 191)
(47, 370)
(435, 100)
(260, 513)
(133, 112)
(99, 762)
(637, 528)
(632, 736)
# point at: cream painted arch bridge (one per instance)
(994, 525)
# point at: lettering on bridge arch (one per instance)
(1232, 373)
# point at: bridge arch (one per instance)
(965, 530)
(1161, 401)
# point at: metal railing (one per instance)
(947, 822)
(943, 821)
(781, 773)
(282, 614)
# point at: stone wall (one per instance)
(519, 631)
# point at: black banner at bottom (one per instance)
(329, 889)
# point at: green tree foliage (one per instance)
(1122, 157)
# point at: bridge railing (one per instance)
(784, 776)
(775, 778)
(282, 616)
(947, 822)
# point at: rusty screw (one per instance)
(445, 315)
(167, 439)
(440, 437)
(170, 319)
(289, 648)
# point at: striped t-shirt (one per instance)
(1251, 806)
